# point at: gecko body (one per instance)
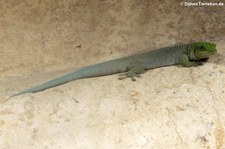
(187, 55)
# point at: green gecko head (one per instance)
(202, 50)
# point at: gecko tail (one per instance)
(86, 72)
(20, 93)
(49, 84)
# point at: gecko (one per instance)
(188, 55)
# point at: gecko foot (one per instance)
(129, 74)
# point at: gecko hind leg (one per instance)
(134, 70)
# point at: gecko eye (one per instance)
(201, 47)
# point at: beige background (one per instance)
(171, 107)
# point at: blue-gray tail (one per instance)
(49, 84)
(105, 68)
